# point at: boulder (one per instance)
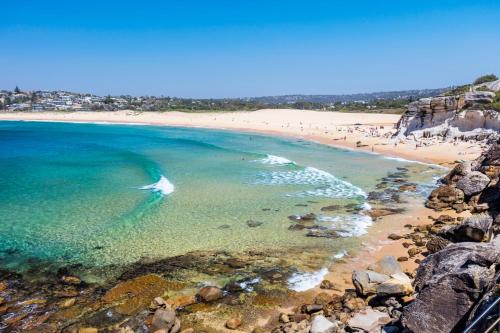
(320, 324)
(445, 196)
(383, 278)
(473, 183)
(449, 283)
(163, 319)
(366, 281)
(369, 320)
(475, 228)
(210, 293)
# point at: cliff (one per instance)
(466, 115)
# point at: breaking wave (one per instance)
(275, 160)
(163, 186)
(326, 185)
(307, 280)
(349, 225)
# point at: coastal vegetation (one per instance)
(381, 102)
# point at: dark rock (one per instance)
(445, 196)
(394, 236)
(311, 308)
(320, 233)
(254, 224)
(449, 283)
(436, 244)
(475, 228)
(300, 218)
(330, 208)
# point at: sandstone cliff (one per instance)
(467, 115)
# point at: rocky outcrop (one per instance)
(463, 265)
(449, 283)
(471, 186)
(467, 116)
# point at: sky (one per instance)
(233, 48)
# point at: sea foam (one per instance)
(163, 186)
(275, 160)
(349, 225)
(327, 185)
(307, 280)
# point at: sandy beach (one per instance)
(364, 131)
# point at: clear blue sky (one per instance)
(235, 48)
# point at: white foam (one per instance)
(307, 280)
(164, 186)
(366, 206)
(404, 160)
(349, 225)
(340, 254)
(248, 285)
(327, 185)
(275, 160)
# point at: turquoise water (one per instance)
(98, 195)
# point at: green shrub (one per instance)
(496, 101)
(458, 90)
(486, 78)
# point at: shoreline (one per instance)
(365, 132)
(374, 244)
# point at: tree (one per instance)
(34, 97)
(486, 78)
(17, 90)
(108, 100)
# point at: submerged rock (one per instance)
(323, 233)
(210, 293)
(254, 224)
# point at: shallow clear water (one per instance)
(111, 194)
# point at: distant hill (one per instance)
(346, 98)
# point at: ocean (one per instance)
(95, 196)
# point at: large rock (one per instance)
(369, 320)
(473, 183)
(210, 293)
(449, 283)
(445, 196)
(475, 228)
(366, 281)
(322, 325)
(383, 278)
(163, 319)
